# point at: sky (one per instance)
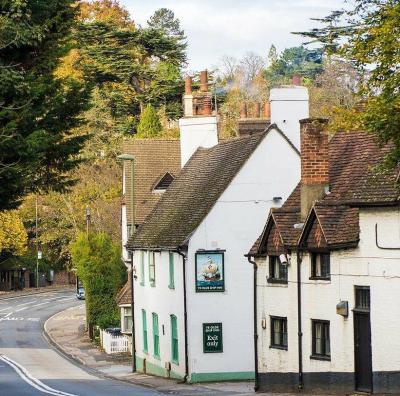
(215, 28)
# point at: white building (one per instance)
(193, 287)
(327, 321)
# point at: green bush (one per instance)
(149, 125)
(98, 262)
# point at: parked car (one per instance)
(80, 294)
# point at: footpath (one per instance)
(4, 295)
(66, 331)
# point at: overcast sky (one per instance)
(233, 27)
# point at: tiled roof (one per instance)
(153, 159)
(355, 180)
(124, 296)
(192, 195)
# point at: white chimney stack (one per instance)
(198, 127)
(289, 105)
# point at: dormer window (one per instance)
(163, 183)
(320, 266)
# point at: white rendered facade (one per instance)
(366, 265)
(231, 226)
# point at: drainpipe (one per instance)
(256, 381)
(133, 318)
(184, 258)
(299, 327)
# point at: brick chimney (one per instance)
(267, 110)
(314, 162)
(188, 98)
(204, 81)
(296, 80)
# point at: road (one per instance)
(30, 367)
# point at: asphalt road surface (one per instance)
(30, 367)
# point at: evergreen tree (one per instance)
(164, 19)
(368, 35)
(149, 125)
(98, 262)
(37, 110)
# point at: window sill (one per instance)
(152, 284)
(146, 352)
(320, 357)
(283, 348)
(320, 278)
(172, 287)
(141, 283)
(176, 362)
(156, 357)
(277, 281)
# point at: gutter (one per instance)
(299, 326)
(184, 258)
(256, 378)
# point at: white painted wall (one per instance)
(197, 132)
(366, 265)
(289, 105)
(163, 301)
(233, 224)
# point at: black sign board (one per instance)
(212, 337)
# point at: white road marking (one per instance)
(32, 381)
(30, 302)
(21, 309)
(5, 309)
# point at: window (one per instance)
(152, 269)
(164, 183)
(174, 340)
(171, 271)
(278, 332)
(277, 271)
(144, 328)
(126, 316)
(320, 266)
(363, 299)
(142, 268)
(321, 346)
(156, 337)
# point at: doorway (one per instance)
(362, 340)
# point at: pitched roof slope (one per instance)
(355, 180)
(153, 159)
(124, 296)
(192, 195)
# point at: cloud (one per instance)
(220, 27)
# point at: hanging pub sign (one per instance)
(212, 337)
(210, 271)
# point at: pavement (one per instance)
(11, 294)
(66, 331)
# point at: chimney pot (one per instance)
(243, 110)
(296, 79)
(207, 105)
(314, 162)
(204, 81)
(188, 85)
(267, 110)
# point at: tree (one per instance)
(13, 236)
(37, 109)
(368, 35)
(98, 262)
(164, 19)
(149, 125)
(295, 60)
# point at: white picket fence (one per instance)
(115, 344)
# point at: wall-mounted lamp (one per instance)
(342, 308)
